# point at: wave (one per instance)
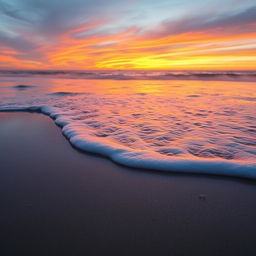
(138, 75)
(80, 138)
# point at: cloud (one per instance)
(244, 21)
(98, 32)
(9, 10)
(52, 18)
(28, 25)
(17, 43)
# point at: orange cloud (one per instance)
(127, 50)
(206, 46)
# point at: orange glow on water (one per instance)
(199, 118)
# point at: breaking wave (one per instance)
(138, 75)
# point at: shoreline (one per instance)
(139, 160)
(58, 201)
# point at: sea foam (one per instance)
(81, 139)
(177, 126)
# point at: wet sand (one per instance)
(56, 200)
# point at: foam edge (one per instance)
(83, 141)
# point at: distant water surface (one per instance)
(198, 122)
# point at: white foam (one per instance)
(82, 138)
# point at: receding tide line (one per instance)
(81, 139)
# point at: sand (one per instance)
(56, 200)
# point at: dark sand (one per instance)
(55, 200)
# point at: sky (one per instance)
(128, 34)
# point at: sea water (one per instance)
(199, 122)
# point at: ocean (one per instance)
(180, 121)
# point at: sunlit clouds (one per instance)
(78, 34)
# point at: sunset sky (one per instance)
(123, 34)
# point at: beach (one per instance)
(127, 128)
(56, 200)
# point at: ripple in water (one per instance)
(196, 121)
